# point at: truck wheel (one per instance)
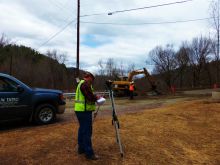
(44, 114)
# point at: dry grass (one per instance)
(183, 133)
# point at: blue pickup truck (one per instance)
(17, 100)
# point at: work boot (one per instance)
(80, 151)
(92, 157)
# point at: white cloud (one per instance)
(33, 22)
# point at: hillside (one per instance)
(35, 69)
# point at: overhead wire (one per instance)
(110, 13)
(53, 36)
(147, 23)
(140, 8)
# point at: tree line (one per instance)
(41, 70)
(195, 64)
(33, 68)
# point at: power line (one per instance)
(88, 15)
(149, 23)
(114, 12)
(141, 8)
(61, 30)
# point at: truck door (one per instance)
(14, 100)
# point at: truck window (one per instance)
(7, 85)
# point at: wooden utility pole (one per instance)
(218, 29)
(78, 40)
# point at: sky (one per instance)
(127, 37)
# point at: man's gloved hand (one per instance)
(100, 101)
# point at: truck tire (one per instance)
(44, 114)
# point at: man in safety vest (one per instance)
(84, 106)
(131, 90)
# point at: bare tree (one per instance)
(199, 53)
(131, 67)
(122, 71)
(101, 65)
(54, 72)
(4, 41)
(111, 68)
(60, 58)
(165, 62)
(182, 59)
(52, 54)
(215, 13)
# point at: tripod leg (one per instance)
(116, 123)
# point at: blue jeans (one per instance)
(85, 132)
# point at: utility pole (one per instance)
(78, 40)
(218, 28)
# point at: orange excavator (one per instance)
(121, 87)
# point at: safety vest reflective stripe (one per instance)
(80, 102)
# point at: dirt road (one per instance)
(154, 130)
(122, 106)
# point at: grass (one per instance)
(179, 133)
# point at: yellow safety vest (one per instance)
(80, 102)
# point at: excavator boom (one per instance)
(122, 86)
(136, 72)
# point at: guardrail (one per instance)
(71, 95)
